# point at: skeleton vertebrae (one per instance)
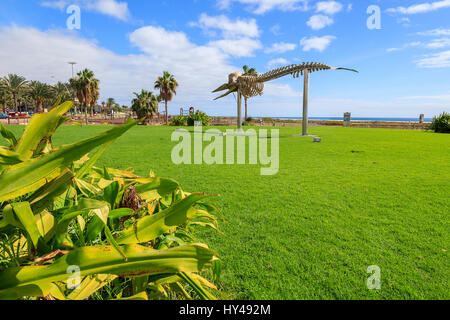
(250, 86)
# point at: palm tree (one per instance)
(167, 86)
(77, 87)
(3, 96)
(62, 91)
(14, 85)
(145, 105)
(86, 87)
(104, 108)
(109, 105)
(39, 92)
(95, 94)
(248, 72)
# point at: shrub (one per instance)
(179, 121)
(61, 214)
(198, 116)
(441, 124)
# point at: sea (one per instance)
(359, 119)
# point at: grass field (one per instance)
(361, 197)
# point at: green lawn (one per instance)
(361, 197)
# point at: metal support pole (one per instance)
(305, 102)
(239, 111)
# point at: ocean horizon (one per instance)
(389, 119)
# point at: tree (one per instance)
(39, 92)
(145, 105)
(167, 86)
(248, 72)
(95, 94)
(110, 105)
(14, 85)
(86, 87)
(104, 108)
(3, 96)
(63, 92)
(77, 87)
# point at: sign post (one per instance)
(347, 119)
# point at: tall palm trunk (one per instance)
(38, 107)
(246, 114)
(167, 114)
(4, 107)
(86, 113)
(92, 111)
(15, 102)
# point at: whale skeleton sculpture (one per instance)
(251, 86)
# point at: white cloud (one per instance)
(263, 6)
(438, 60)
(438, 43)
(319, 21)
(316, 43)
(433, 44)
(229, 29)
(43, 56)
(243, 47)
(276, 62)
(278, 91)
(281, 47)
(421, 8)
(406, 45)
(435, 32)
(329, 7)
(59, 4)
(113, 8)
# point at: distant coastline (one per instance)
(356, 119)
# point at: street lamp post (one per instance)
(72, 63)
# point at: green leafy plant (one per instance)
(441, 124)
(198, 116)
(179, 121)
(70, 230)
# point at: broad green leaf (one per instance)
(8, 135)
(156, 188)
(90, 285)
(86, 188)
(196, 285)
(113, 242)
(139, 296)
(32, 290)
(84, 170)
(29, 176)
(28, 221)
(68, 214)
(46, 195)
(120, 213)
(151, 227)
(110, 194)
(8, 157)
(41, 127)
(105, 260)
(46, 224)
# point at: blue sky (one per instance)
(404, 66)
